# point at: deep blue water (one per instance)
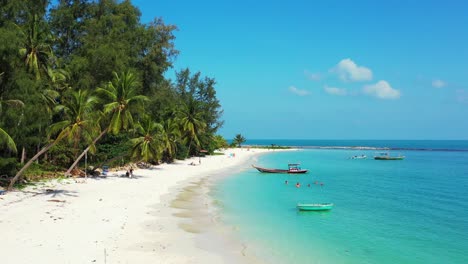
(409, 211)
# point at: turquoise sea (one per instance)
(409, 211)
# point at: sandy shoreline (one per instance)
(156, 217)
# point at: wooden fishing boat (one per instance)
(386, 156)
(293, 168)
(314, 207)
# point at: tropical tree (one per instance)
(239, 140)
(192, 125)
(36, 51)
(148, 145)
(82, 125)
(123, 101)
(170, 136)
(5, 138)
(75, 123)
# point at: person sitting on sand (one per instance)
(127, 174)
(298, 185)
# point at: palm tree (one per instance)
(170, 137)
(148, 145)
(82, 125)
(76, 124)
(36, 52)
(190, 119)
(122, 101)
(5, 139)
(239, 140)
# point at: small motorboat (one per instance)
(314, 206)
(386, 156)
(293, 168)
(359, 157)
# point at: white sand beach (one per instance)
(120, 220)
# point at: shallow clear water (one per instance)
(409, 211)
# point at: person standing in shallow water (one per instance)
(131, 172)
(298, 185)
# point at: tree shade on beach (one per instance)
(91, 80)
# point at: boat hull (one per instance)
(315, 207)
(388, 158)
(265, 170)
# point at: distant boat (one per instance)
(359, 157)
(314, 207)
(386, 156)
(293, 168)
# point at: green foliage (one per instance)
(182, 151)
(8, 166)
(86, 73)
(238, 140)
(220, 142)
(60, 155)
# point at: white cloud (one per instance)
(298, 91)
(382, 90)
(348, 70)
(336, 91)
(313, 76)
(438, 83)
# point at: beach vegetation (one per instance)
(238, 140)
(90, 80)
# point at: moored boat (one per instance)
(359, 157)
(293, 168)
(386, 156)
(314, 206)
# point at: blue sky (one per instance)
(328, 69)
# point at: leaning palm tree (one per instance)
(190, 118)
(148, 145)
(121, 101)
(83, 125)
(76, 124)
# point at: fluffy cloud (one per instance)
(313, 76)
(438, 83)
(382, 90)
(347, 70)
(298, 91)
(335, 91)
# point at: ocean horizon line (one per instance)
(378, 145)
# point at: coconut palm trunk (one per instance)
(26, 166)
(84, 152)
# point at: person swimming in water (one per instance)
(298, 185)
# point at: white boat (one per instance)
(359, 157)
(314, 206)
